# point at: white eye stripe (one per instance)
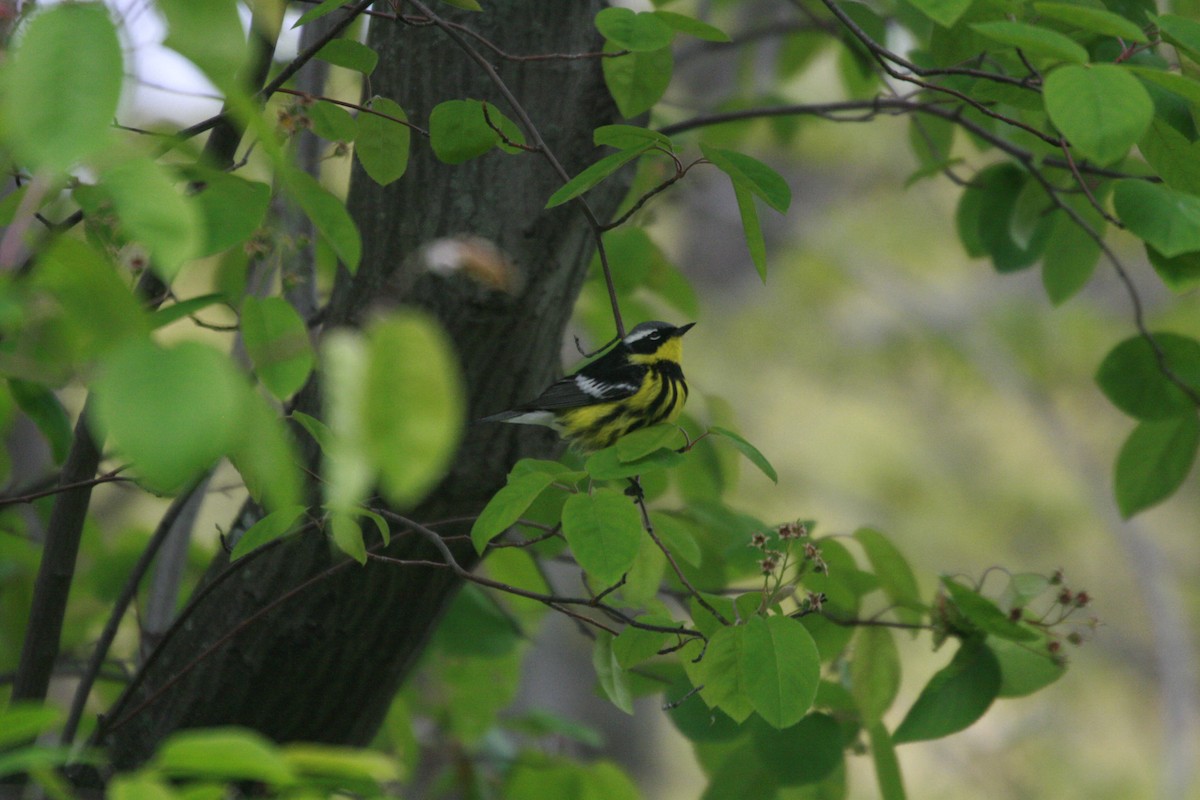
(638, 336)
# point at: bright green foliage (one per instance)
(955, 697)
(209, 34)
(155, 213)
(268, 529)
(1154, 461)
(69, 48)
(639, 32)
(170, 412)
(231, 209)
(637, 81)
(604, 532)
(1101, 109)
(277, 343)
(460, 130)
(1036, 43)
(349, 54)
(381, 144)
(328, 215)
(596, 173)
(1132, 380)
(781, 655)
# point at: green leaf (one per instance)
(606, 464)
(265, 455)
(382, 144)
(895, 575)
(610, 673)
(271, 527)
(691, 26)
(507, 506)
(171, 412)
(154, 212)
(752, 229)
(97, 308)
(629, 137)
(676, 538)
(222, 754)
(316, 12)
(1132, 380)
(1033, 40)
(231, 209)
(277, 343)
(1095, 20)
(347, 469)
(801, 754)
(752, 174)
(1154, 461)
(184, 308)
(956, 696)
(1183, 32)
(1172, 155)
(459, 130)
(1167, 219)
(350, 54)
(887, 766)
(781, 669)
(414, 405)
(1024, 668)
(23, 721)
(943, 12)
(641, 443)
(1071, 255)
(604, 531)
(748, 450)
(985, 614)
(467, 5)
(139, 787)
(1102, 109)
(317, 429)
(719, 674)
(208, 33)
(42, 406)
(1180, 274)
(635, 645)
(347, 535)
(990, 222)
(332, 122)
(328, 215)
(342, 765)
(640, 32)
(594, 174)
(62, 84)
(637, 80)
(874, 672)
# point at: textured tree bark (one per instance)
(324, 665)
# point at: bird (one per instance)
(636, 384)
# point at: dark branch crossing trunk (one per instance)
(324, 664)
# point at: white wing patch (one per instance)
(602, 390)
(591, 387)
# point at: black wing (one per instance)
(603, 380)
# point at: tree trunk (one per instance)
(324, 665)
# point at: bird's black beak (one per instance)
(682, 329)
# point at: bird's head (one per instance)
(655, 341)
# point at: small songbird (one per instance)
(636, 384)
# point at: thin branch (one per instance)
(128, 592)
(108, 477)
(649, 527)
(356, 106)
(287, 72)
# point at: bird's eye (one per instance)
(654, 336)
